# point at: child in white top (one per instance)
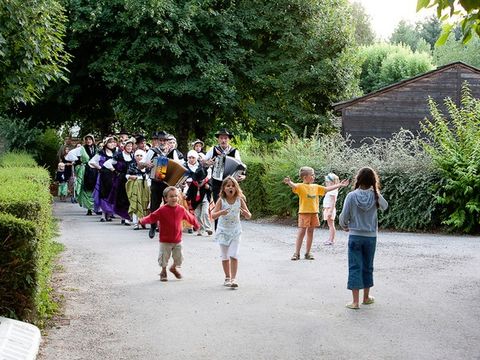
(329, 210)
(230, 205)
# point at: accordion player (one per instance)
(225, 166)
(169, 171)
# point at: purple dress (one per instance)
(118, 194)
(103, 187)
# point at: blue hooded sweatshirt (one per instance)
(359, 213)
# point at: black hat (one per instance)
(162, 135)
(224, 132)
(139, 138)
(123, 131)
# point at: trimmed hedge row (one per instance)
(27, 248)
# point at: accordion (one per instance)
(227, 166)
(168, 171)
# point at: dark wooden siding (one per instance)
(405, 106)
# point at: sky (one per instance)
(385, 14)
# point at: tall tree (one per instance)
(32, 53)
(405, 33)
(189, 65)
(364, 34)
(429, 29)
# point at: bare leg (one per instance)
(233, 267)
(226, 268)
(332, 230)
(300, 236)
(309, 239)
(355, 294)
(366, 293)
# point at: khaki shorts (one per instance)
(329, 213)
(308, 220)
(170, 249)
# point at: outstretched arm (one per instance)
(289, 182)
(342, 183)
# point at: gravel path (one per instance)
(427, 291)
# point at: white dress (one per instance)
(229, 227)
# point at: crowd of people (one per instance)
(127, 178)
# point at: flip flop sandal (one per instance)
(370, 301)
(295, 257)
(351, 306)
(309, 256)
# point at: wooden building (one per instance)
(405, 104)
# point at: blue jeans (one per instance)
(361, 251)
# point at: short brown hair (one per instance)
(168, 189)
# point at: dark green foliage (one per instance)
(18, 280)
(455, 149)
(411, 196)
(253, 187)
(32, 51)
(46, 150)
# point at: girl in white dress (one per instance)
(230, 205)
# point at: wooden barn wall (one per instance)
(404, 107)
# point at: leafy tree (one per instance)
(429, 30)
(405, 33)
(385, 64)
(32, 53)
(455, 50)
(188, 65)
(364, 34)
(467, 10)
(299, 60)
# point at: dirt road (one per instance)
(427, 298)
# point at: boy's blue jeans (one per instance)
(361, 251)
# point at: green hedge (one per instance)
(27, 250)
(253, 187)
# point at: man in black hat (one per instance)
(159, 148)
(140, 143)
(222, 149)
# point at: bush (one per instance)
(455, 149)
(17, 159)
(27, 252)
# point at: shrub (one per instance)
(17, 159)
(455, 149)
(27, 251)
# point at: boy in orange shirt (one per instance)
(308, 194)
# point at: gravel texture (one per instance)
(427, 290)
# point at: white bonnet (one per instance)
(192, 153)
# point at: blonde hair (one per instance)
(61, 165)
(168, 189)
(238, 190)
(332, 178)
(304, 171)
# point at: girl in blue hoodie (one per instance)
(359, 218)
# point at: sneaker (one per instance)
(127, 222)
(309, 256)
(151, 232)
(234, 284)
(136, 227)
(227, 282)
